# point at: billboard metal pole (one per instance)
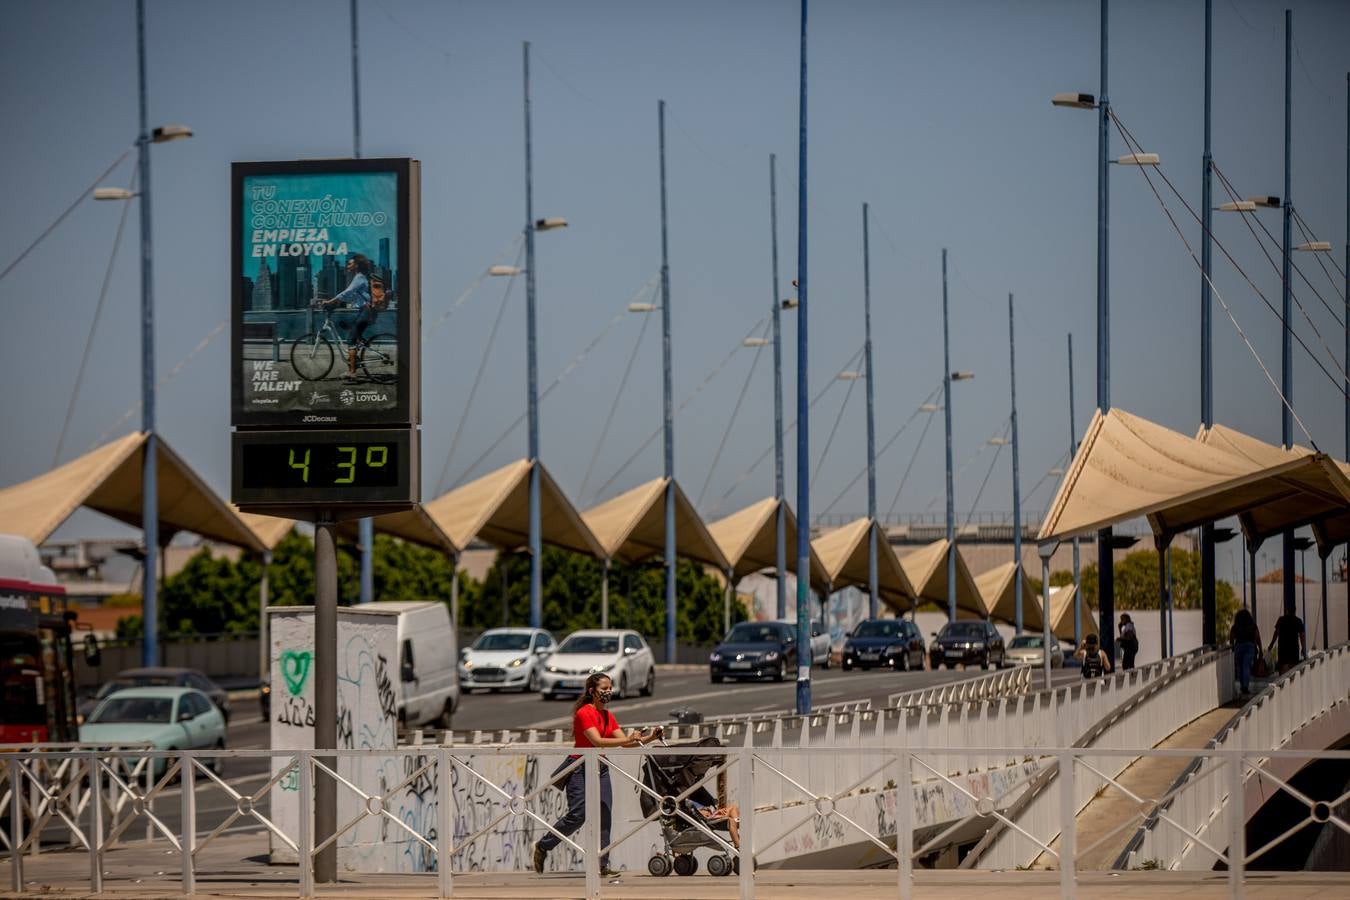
(149, 470)
(325, 691)
(366, 526)
(803, 407)
(1106, 580)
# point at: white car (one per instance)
(506, 659)
(820, 642)
(622, 655)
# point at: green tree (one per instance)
(1136, 580)
(571, 597)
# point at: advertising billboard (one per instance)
(326, 293)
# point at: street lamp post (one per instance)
(1073, 450)
(149, 471)
(948, 376)
(803, 402)
(1105, 575)
(532, 356)
(871, 431)
(780, 520)
(1016, 483)
(1286, 324)
(667, 400)
(947, 415)
(1208, 607)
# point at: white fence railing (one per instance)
(1198, 683)
(478, 792)
(1197, 814)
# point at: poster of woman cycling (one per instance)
(325, 294)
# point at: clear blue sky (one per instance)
(936, 113)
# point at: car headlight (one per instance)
(517, 663)
(552, 669)
(976, 645)
(466, 664)
(599, 669)
(715, 657)
(771, 656)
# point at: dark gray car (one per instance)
(161, 676)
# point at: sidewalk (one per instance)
(234, 867)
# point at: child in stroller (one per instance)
(672, 777)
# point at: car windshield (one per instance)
(1023, 641)
(502, 641)
(122, 682)
(878, 629)
(155, 710)
(753, 633)
(963, 629)
(590, 643)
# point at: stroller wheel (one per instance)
(719, 865)
(659, 866)
(686, 864)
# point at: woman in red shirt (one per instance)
(593, 725)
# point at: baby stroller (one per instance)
(670, 777)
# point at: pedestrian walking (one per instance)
(1095, 663)
(593, 725)
(1129, 642)
(1246, 640)
(1289, 641)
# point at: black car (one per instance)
(884, 642)
(755, 650)
(968, 643)
(162, 676)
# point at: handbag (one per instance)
(1260, 668)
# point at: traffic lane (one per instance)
(492, 712)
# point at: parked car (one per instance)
(165, 717)
(897, 643)
(427, 656)
(967, 642)
(159, 676)
(1026, 650)
(505, 658)
(820, 642)
(755, 650)
(622, 655)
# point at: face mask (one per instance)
(604, 696)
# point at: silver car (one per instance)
(1026, 650)
(506, 659)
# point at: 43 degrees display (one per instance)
(342, 467)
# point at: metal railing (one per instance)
(1165, 696)
(874, 815)
(1197, 805)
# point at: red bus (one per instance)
(37, 690)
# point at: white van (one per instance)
(427, 657)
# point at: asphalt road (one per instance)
(490, 712)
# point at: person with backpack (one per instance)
(1095, 663)
(593, 725)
